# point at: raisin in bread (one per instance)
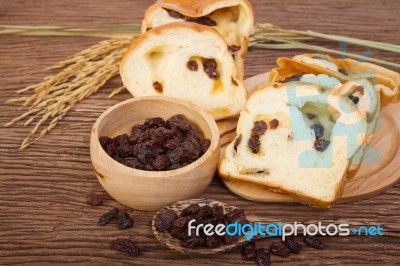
(233, 19)
(385, 81)
(186, 61)
(276, 147)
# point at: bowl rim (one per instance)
(212, 125)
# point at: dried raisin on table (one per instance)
(193, 242)
(249, 251)
(263, 257)
(108, 216)
(279, 249)
(293, 245)
(127, 246)
(94, 199)
(124, 221)
(164, 219)
(314, 242)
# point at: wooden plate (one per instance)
(379, 171)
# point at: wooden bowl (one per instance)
(150, 190)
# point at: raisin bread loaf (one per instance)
(292, 138)
(187, 61)
(385, 81)
(233, 19)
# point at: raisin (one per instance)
(193, 242)
(249, 251)
(254, 144)
(314, 242)
(274, 124)
(293, 245)
(232, 215)
(108, 216)
(180, 122)
(191, 209)
(105, 141)
(124, 221)
(203, 21)
(179, 226)
(321, 144)
(173, 13)
(263, 257)
(214, 74)
(310, 116)
(318, 130)
(164, 219)
(341, 70)
(237, 142)
(192, 65)
(259, 128)
(158, 87)
(234, 82)
(205, 144)
(205, 211)
(213, 241)
(132, 162)
(161, 162)
(293, 78)
(209, 64)
(354, 99)
(233, 48)
(155, 122)
(218, 212)
(94, 199)
(279, 249)
(229, 240)
(126, 245)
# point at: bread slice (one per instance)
(385, 81)
(233, 19)
(186, 61)
(287, 159)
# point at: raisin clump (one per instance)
(314, 242)
(237, 142)
(354, 99)
(176, 225)
(124, 221)
(321, 144)
(157, 145)
(192, 65)
(293, 78)
(259, 128)
(274, 124)
(94, 199)
(249, 251)
(293, 245)
(158, 87)
(318, 130)
(127, 246)
(263, 257)
(173, 13)
(233, 48)
(210, 68)
(108, 216)
(254, 144)
(203, 21)
(279, 249)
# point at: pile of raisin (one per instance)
(259, 129)
(157, 145)
(176, 225)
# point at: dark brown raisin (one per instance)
(94, 199)
(191, 209)
(279, 249)
(318, 130)
(194, 242)
(173, 13)
(214, 75)
(205, 211)
(124, 221)
(209, 64)
(254, 144)
(310, 116)
(180, 122)
(108, 216)
(161, 162)
(126, 245)
(234, 82)
(354, 99)
(341, 70)
(259, 128)
(314, 242)
(293, 245)
(158, 87)
(274, 124)
(192, 65)
(232, 215)
(154, 122)
(263, 257)
(205, 144)
(321, 144)
(233, 48)
(249, 251)
(164, 219)
(237, 142)
(218, 212)
(213, 241)
(293, 78)
(105, 141)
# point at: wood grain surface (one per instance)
(43, 215)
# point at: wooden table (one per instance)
(43, 215)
